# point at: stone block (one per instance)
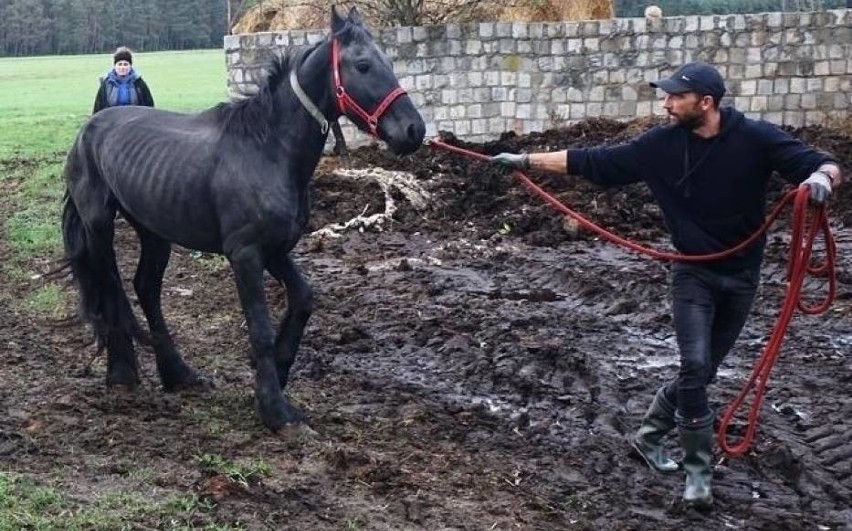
(519, 30)
(462, 127)
(838, 67)
(498, 124)
(815, 117)
(575, 95)
(629, 93)
(831, 84)
(758, 104)
(503, 30)
(618, 76)
(794, 118)
(813, 84)
(754, 71)
(559, 95)
(611, 109)
(773, 117)
(509, 109)
(509, 46)
(454, 32)
(535, 30)
(479, 126)
(404, 34)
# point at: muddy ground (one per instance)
(476, 364)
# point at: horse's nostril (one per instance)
(416, 132)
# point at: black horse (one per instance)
(232, 180)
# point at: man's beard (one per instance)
(690, 121)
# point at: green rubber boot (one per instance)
(658, 421)
(696, 439)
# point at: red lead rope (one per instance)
(807, 223)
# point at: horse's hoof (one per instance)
(281, 415)
(191, 381)
(300, 431)
(122, 380)
(122, 388)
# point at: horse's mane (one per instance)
(253, 112)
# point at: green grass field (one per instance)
(43, 103)
(43, 100)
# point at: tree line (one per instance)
(50, 27)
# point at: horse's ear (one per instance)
(337, 21)
(355, 16)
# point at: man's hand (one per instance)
(820, 185)
(519, 161)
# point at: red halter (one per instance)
(344, 101)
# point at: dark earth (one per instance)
(475, 362)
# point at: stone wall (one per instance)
(479, 80)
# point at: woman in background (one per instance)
(122, 85)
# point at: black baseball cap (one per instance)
(697, 77)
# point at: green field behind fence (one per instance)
(43, 102)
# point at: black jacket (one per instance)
(712, 191)
(143, 94)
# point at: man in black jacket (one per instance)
(708, 170)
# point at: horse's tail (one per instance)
(89, 252)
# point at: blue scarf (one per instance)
(123, 85)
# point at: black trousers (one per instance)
(710, 309)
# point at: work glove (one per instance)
(820, 184)
(520, 161)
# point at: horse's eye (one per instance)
(363, 67)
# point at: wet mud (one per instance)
(478, 363)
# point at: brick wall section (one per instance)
(479, 80)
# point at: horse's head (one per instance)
(367, 91)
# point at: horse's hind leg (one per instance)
(148, 282)
(274, 408)
(88, 236)
(122, 364)
(300, 303)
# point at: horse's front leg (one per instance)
(300, 305)
(275, 410)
